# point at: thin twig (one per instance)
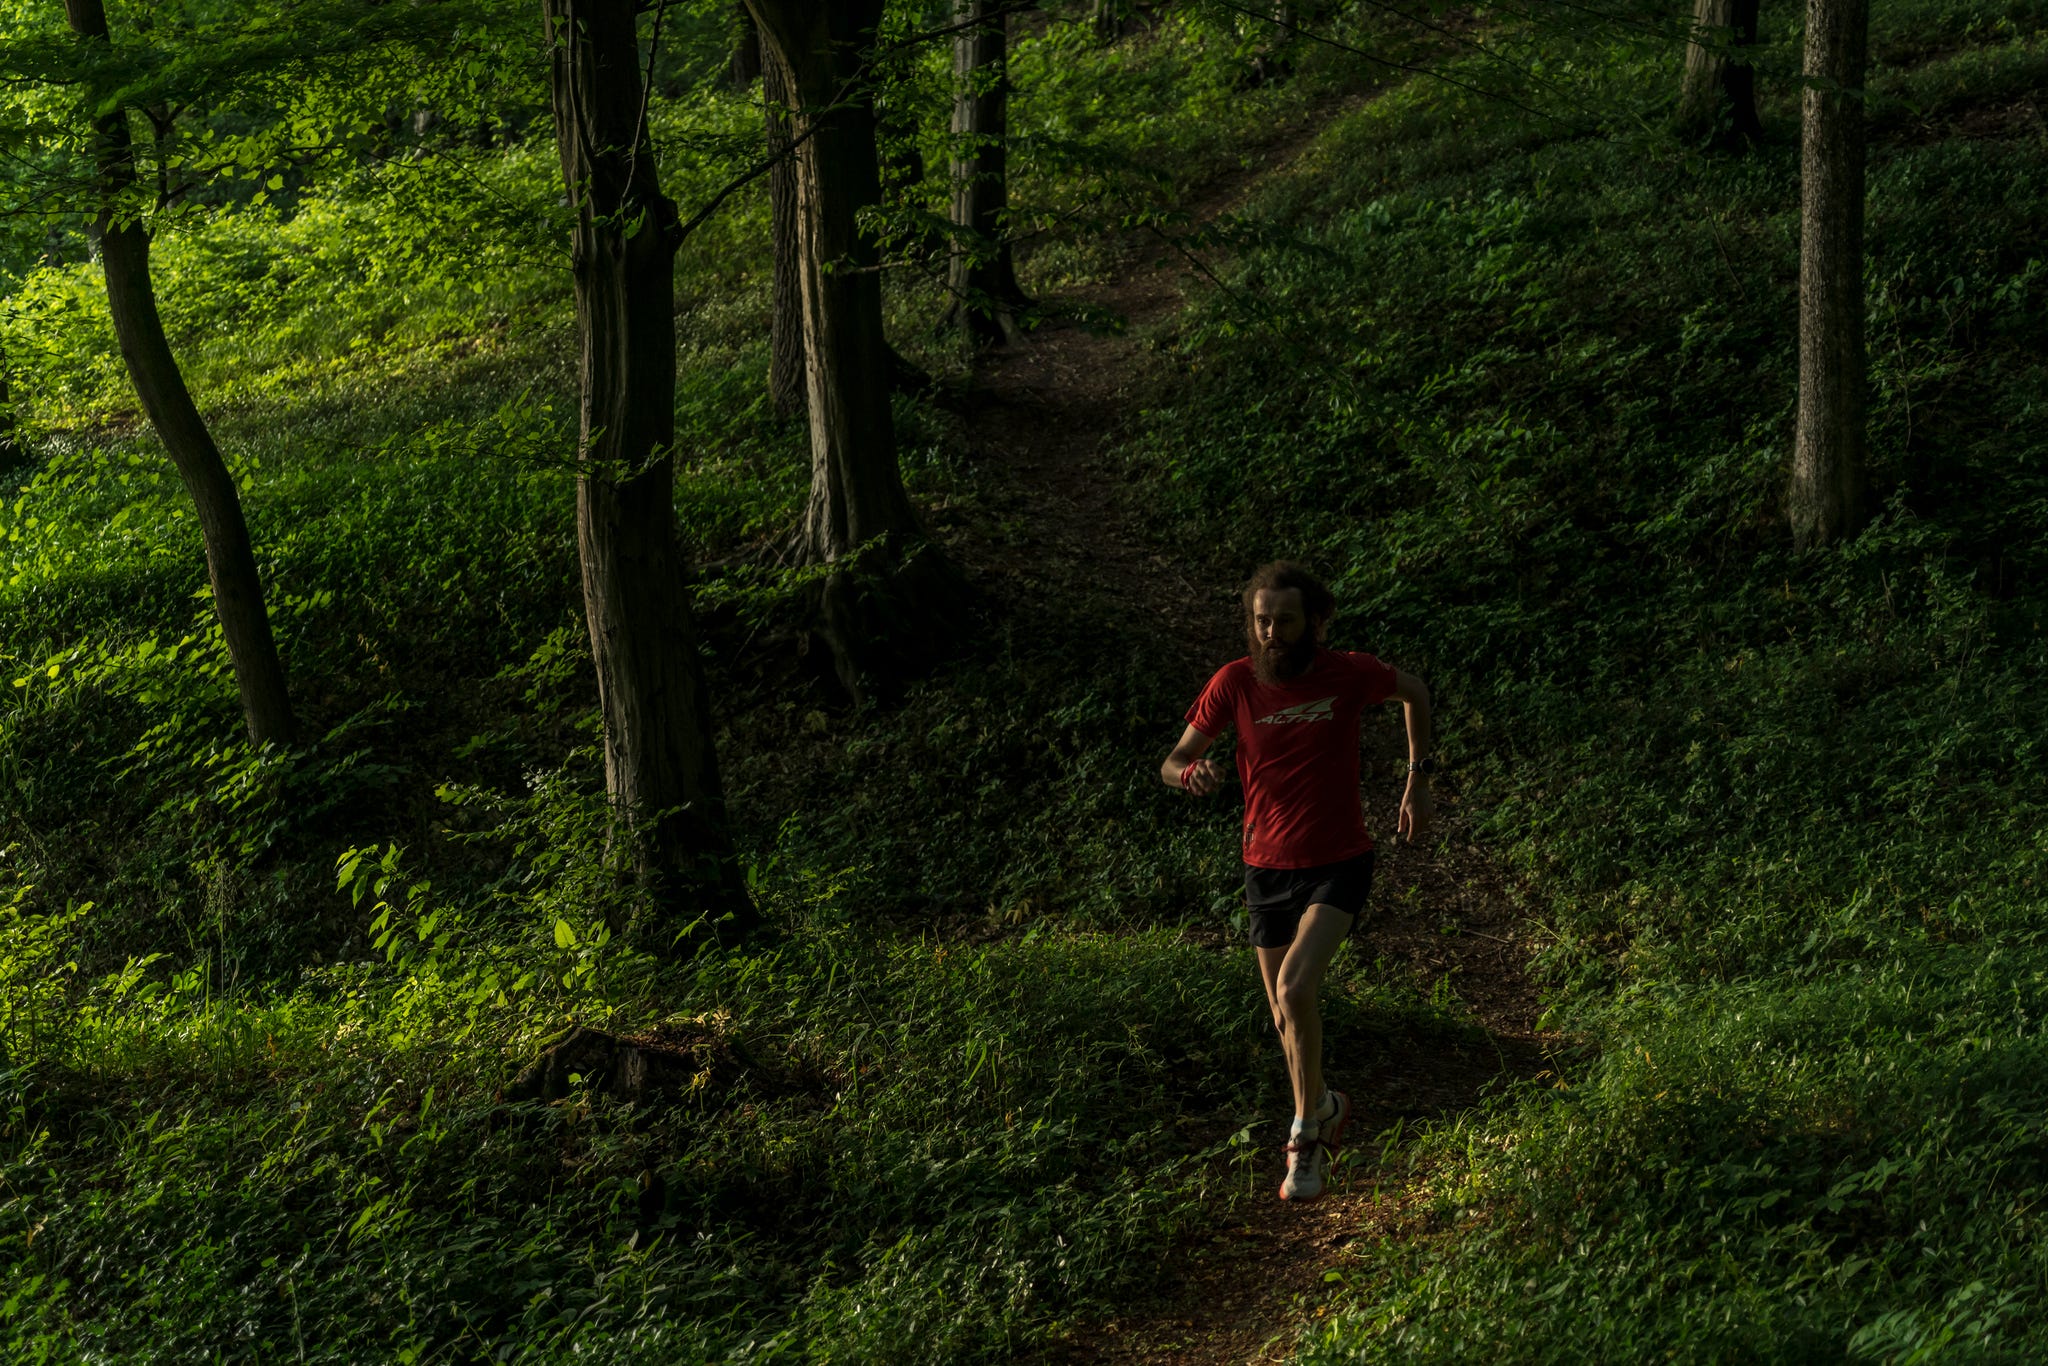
(1472, 43)
(997, 12)
(1409, 67)
(646, 91)
(696, 220)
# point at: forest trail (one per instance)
(1039, 419)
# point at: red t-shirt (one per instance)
(1297, 754)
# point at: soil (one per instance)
(1040, 420)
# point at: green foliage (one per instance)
(1527, 399)
(250, 1098)
(799, 1200)
(1512, 367)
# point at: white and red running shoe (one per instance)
(1308, 1159)
(1308, 1163)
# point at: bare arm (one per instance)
(1186, 768)
(1417, 807)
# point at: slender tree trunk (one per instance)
(660, 768)
(876, 617)
(786, 303)
(1719, 96)
(1274, 61)
(1108, 18)
(10, 444)
(981, 274)
(131, 299)
(1827, 461)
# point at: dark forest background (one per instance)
(956, 1056)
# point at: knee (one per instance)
(1297, 996)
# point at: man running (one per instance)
(1307, 855)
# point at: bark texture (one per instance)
(1826, 498)
(160, 386)
(877, 616)
(1719, 96)
(661, 771)
(981, 273)
(786, 308)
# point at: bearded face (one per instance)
(1280, 638)
(1281, 661)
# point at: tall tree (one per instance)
(123, 243)
(1718, 99)
(877, 617)
(1826, 500)
(10, 443)
(981, 274)
(661, 772)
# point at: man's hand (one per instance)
(1202, 777)
(1187, 770)
(1418, 808)
(1416, 805)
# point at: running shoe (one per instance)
(1308, 1163)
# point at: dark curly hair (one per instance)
(1278, 663)
(1317, 602)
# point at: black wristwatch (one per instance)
(1426, 767)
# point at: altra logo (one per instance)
(1322, 709)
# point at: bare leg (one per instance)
(1293, 977)
(1269, 975)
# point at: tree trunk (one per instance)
(10, 443)
(1274, 61)
(786, 291)
(1827, 461)
(1108, 18)
(878, 617)
(1719, 97)
(661, 772)
(131, 299)
(981, 274)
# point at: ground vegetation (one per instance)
(1739, 1058)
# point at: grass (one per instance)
(246, 1111)
(1520, 383)
(350, 1187)
(1528, 398)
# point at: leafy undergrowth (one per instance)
(1527, 397)
(1521, 382)
(901, 1150)
(249, 1108)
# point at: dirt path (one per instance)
(1039, 418)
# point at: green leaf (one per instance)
(565, 937)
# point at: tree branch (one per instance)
(1409, 67)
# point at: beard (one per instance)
(1281, 663)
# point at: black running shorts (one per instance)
(1278, 897)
